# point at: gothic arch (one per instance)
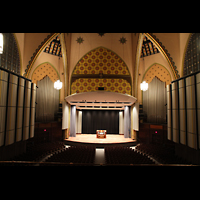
(43, 70)
(37, 52)
(164, 51)
(101, 67)
(10, 58)
(159, 71)
(191, 59)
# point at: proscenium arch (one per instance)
(73, 71)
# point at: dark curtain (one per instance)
(47, 99)
(127, 122)
(93, 120)
(154, 101)
(73, 121)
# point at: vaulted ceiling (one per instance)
(148, 48)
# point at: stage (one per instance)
(90, 139)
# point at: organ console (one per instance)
(101, 133)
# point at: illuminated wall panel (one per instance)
(11, 109)
(198, 104)
(188, 106)
(3, 99)
(169, 107)
(191, 112)
(26, 110)
(175, 116)
(20, 109)
(182, 111)
(32, 115)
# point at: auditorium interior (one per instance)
(99, 99)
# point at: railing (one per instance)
(29, 163)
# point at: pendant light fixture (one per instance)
(58, 84)
(144, 85)
(1, 43)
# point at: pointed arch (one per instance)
(101, 67)
(37, 52)
(165, 52)
(101, 57)
(191, 57)
(43, 70)
(159, 71)
(184, 54)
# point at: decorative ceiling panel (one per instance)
(54, 47)
(101, 60)
(148, 48)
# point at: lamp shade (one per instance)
(1, 43)
(144, 86)
(58, 85)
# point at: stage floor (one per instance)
(90, 139)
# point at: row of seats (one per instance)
(125, 155)
(73, 154)
(163, 154)
(35, 152)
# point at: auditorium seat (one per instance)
(35, 152)
(73, 154)
(164, 154)
(125, 155)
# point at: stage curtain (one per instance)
(136, 116)
(65, 111)
(127, 122)
(73, 121)
(154, 101)
(47, 99)
(93, 120)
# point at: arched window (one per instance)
(10, 57)
(192, 57)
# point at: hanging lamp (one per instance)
(58, 83)
(144, 86)
(1, 43)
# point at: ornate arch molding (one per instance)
(165, 53)
(37, 52)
